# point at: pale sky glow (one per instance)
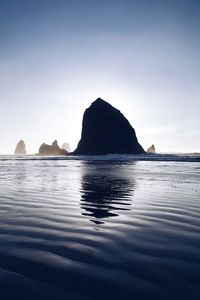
(56, 57)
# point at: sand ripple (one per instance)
(80, 229)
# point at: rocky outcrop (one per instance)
(20, 148)
(151, 149)
(53, 149)
(66, 146)
(106, 131)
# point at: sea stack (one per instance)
(151, 149)
(105, 130)
(66, 146)
(20, 148)
(53, 149)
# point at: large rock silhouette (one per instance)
(20, 148)
(106, 131)
(53, 149)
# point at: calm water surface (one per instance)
(99, 229)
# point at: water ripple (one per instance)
(99, 229)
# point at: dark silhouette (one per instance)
(106, 131)
(20, 148)
(53, 149)
(105, 192)
(151, 149)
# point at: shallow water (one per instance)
(106, 228)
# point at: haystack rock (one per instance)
(151, 149)
(53, 149)
(20, 148)
(106, 131)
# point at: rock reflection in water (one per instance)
(106, 189)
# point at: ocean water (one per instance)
(107, 227)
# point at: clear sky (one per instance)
(142, 56)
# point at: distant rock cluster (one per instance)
(52, 149)
(106, 131)
(44, 149)
(20, 148)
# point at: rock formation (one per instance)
(106, 131)
(20, 148)
(53, 149)
(66, 146)
(151, 149)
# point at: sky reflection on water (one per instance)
(99, 229)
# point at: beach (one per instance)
(108, 227)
